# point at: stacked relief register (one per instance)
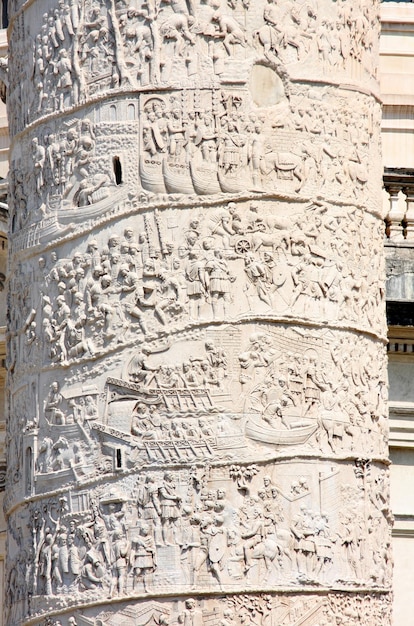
(197, 426)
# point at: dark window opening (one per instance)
(117, 170)
(118, 458)
(4, 14)
(400, 313)
(29, 470)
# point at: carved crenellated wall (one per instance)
(197, 370)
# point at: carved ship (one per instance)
(77, 472)
(152, 178)
(232, 184)
(78, 215)
(177, 178)
(287, 437)
(189, 449)
(181, 400)
(39, 233)
(181, 179)
(172, 450)
(205, 181)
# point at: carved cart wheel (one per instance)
(242, 246)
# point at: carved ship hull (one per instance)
(205, 181)
(152, 179)
(57, 478)
(177, 180)
(173, 449)
(78, 215)
(266, 434)
(48, 228)
(231, 184)
(168, 450)
(39, 233)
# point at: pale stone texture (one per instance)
(196, 336)
(396, 82)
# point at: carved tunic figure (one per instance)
(46, 564)
(170, 508)
(53, 410)
(39, 156)
(143, 556)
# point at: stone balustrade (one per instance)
(399, 185)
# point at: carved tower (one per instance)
(197, 385)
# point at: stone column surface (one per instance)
(197, 428)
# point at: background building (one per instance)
(397, 86)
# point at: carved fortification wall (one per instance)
(197, 379)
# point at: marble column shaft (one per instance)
(196, 343)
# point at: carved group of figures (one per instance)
(224, 398)
(71, 53)
(208, 145)
(304, 394)
(286, 399)
(297, 32)
(210, 528)
(149, 279)
(196, 143)
(62, 167)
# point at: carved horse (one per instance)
(285, 164)
(267, 37)
(269, 549)
(335, 427)
(358, 172)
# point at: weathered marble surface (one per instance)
(198, 424)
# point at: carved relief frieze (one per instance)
(244, 393)
(198, 144)
(230, 262)
(74, 53)
(294, 524)
(197, 367)
(264, 610)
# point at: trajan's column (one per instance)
(197, 422)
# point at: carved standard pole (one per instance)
(197, 370)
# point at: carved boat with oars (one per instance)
(205, 180)
(177, 178)
(296, 435)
